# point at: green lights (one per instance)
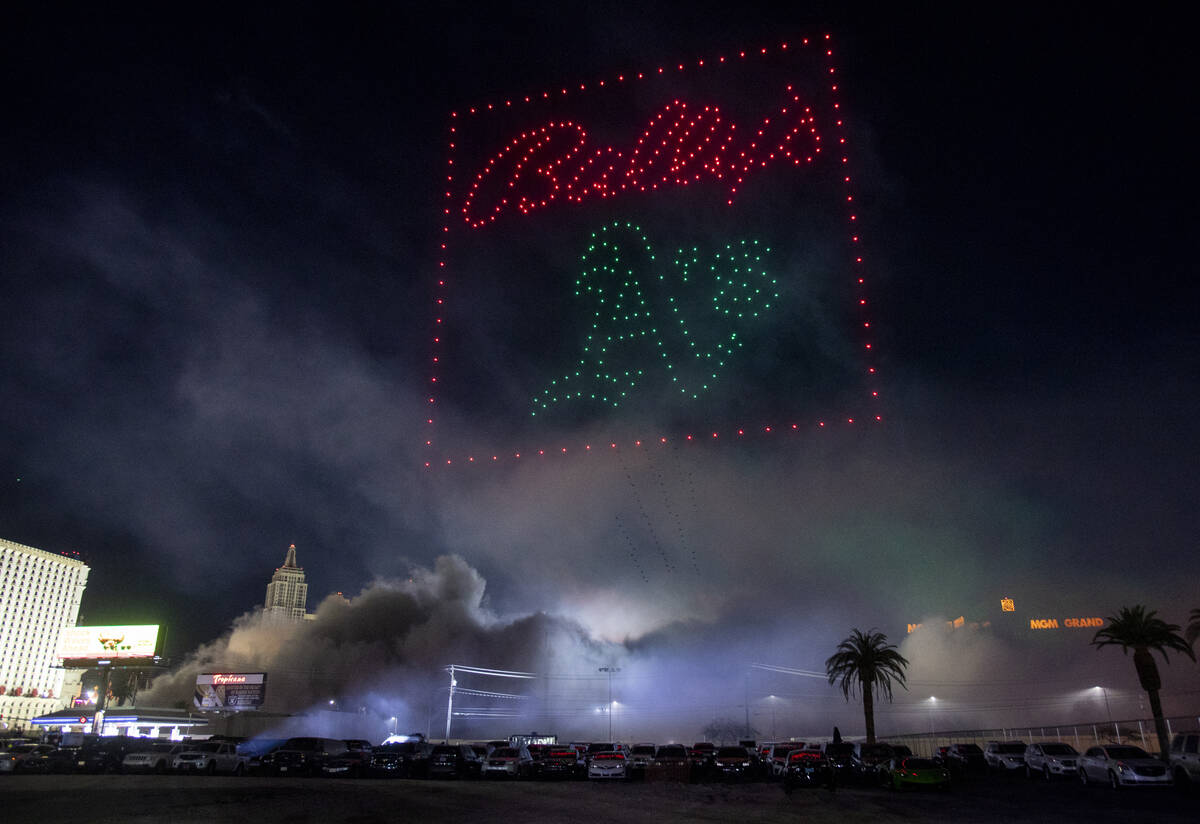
(624, 331)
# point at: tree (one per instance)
(1193, 628)
(727, 731)
(867, 662)
(1134, 627)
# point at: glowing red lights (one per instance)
(559, 163)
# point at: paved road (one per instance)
(128, 799)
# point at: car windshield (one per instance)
(162, 747)
(876, 751)
(504, 752)
(672, 751)
(970, 749)
(1126, 752)
(443, 749)
(782, 750)
(917, 764)
(1058, 749)
(839, 749)
(901, 749)
(1011, 749)
(732, 752)
(643, 750)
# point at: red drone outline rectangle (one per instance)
(550, 164)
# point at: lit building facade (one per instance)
(40, 593)
(287, 594)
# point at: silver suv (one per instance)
(1005, 756)
(1184, 758)
(1047, 759)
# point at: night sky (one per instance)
(219, 243)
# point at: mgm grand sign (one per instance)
(1067, 623)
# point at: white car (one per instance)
(508, 762)
(1123, 766)
(1184, 757)
(1047, 759)
(607, 765)
(159, 758)
(210, 757)
(1005, 756)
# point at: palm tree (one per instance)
(1135, 627)
(1193, 628)
(866, 661)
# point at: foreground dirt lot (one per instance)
(120, 798)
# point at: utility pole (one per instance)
(610, 671)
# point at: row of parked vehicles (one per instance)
(1117, 765)
(794, 763)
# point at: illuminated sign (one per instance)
(1007, 605)
(1071, 623)
(109, 642)
(230, 690)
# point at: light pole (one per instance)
(932, 704)
(610, 671)
(772, 699)
(1108, 711)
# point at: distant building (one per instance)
(40, 593)
(287, 594)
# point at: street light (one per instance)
(772, 699)
(932, 704)
(1108, 711)
(610, 671)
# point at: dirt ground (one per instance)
(125, 799)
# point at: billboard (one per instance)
(109, 643)
(230, 690)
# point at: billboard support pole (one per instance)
(101, 699)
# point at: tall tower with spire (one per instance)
(287, 594)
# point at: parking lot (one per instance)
(99, 799)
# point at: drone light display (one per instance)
(668, 255)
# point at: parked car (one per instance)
(561, 762)
(910, 771)
(869, 758)
(157, 759)
(352, 763)
(1123, 766)
(1047, 759)
(1184, 759)
(104, 755)
(842, 761)
(641, 756)
(508, 762)
(454, 761)
(1006, 756)
(403, 759)
(302, 756)
(607, 765)
(777, 757)
(965, 759)
(25, 758)
(210, 757)
(255, 749)
(806, 768)
(732, 763)
(62, 760)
